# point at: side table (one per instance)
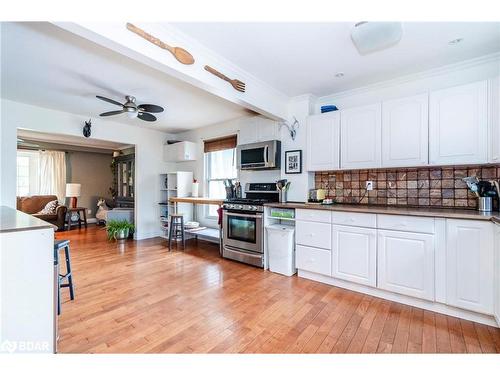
(82, 212)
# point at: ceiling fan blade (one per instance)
(146, 116)
(109, 100)
(112, 113)
(150, 108)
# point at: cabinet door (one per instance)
(497, 274)
(323, 142)
(313, 260)
(469, 265)
(458, 125)
(354, 254)
(267, 130)
(313, 234)
(494, 99)
(361, 131)
(248, 131)
(405, 131)
(406, 263)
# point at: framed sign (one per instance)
(293, 162)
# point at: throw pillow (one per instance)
(49, 209)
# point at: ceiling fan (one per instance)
(132, 109)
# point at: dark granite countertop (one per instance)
(450, 213)
(12, 220)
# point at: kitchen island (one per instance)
(27, 283)
(444, 260)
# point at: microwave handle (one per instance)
(266, 154)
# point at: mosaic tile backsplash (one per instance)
(435, 186)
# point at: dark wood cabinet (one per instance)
(124, 180)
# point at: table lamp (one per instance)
(73, 191)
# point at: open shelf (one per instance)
(280, 218)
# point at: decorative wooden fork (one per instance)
(237, 84)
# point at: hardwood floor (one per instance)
(137, 297)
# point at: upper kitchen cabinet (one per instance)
(458, 125)
(361, 131)
(180, 151)
(258, 130)
(405, 131)
(323, 142)
(494, 96)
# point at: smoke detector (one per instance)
(370, 37)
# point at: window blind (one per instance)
(218, 144)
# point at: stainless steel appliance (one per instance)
(261, 155)
(243, 224)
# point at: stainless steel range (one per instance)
(243, 224)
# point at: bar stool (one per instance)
(176, 229)
(68, 276)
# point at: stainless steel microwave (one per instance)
(260, 155)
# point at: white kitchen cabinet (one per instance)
(313, 234)
(458, 125)
(494, 100)
(180, 151)
(361, 132)
(354, 254)
(405, 131)
(470, 265)
(313, 260)
(258, 129)
(406, 263)
(497, 274)
(323, 142)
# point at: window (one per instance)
(27, 182)
(219, 166)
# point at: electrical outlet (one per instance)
(369, 185)
(89, 211)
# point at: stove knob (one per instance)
(254, 208)
(240, 206)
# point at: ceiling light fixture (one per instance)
(370, 37)
(339, 75)
(455, 41)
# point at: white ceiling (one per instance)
(49, 67)
(299, 58)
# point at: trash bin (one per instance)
(281, 249)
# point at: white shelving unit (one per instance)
(174, 184)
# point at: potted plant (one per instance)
(118, 229)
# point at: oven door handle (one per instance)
(266, 155)
(258, 216)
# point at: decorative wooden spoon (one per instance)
(237, 84)
(183, 56)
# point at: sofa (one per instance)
(32, 205)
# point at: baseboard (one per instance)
(405, 300)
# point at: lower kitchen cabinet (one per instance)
(497, 274)
(470, 265)
(313, 260)
(313, 234)
(354, 254)
(406, 263)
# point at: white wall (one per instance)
(197, 167)
(149, 153)
(300, 107)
